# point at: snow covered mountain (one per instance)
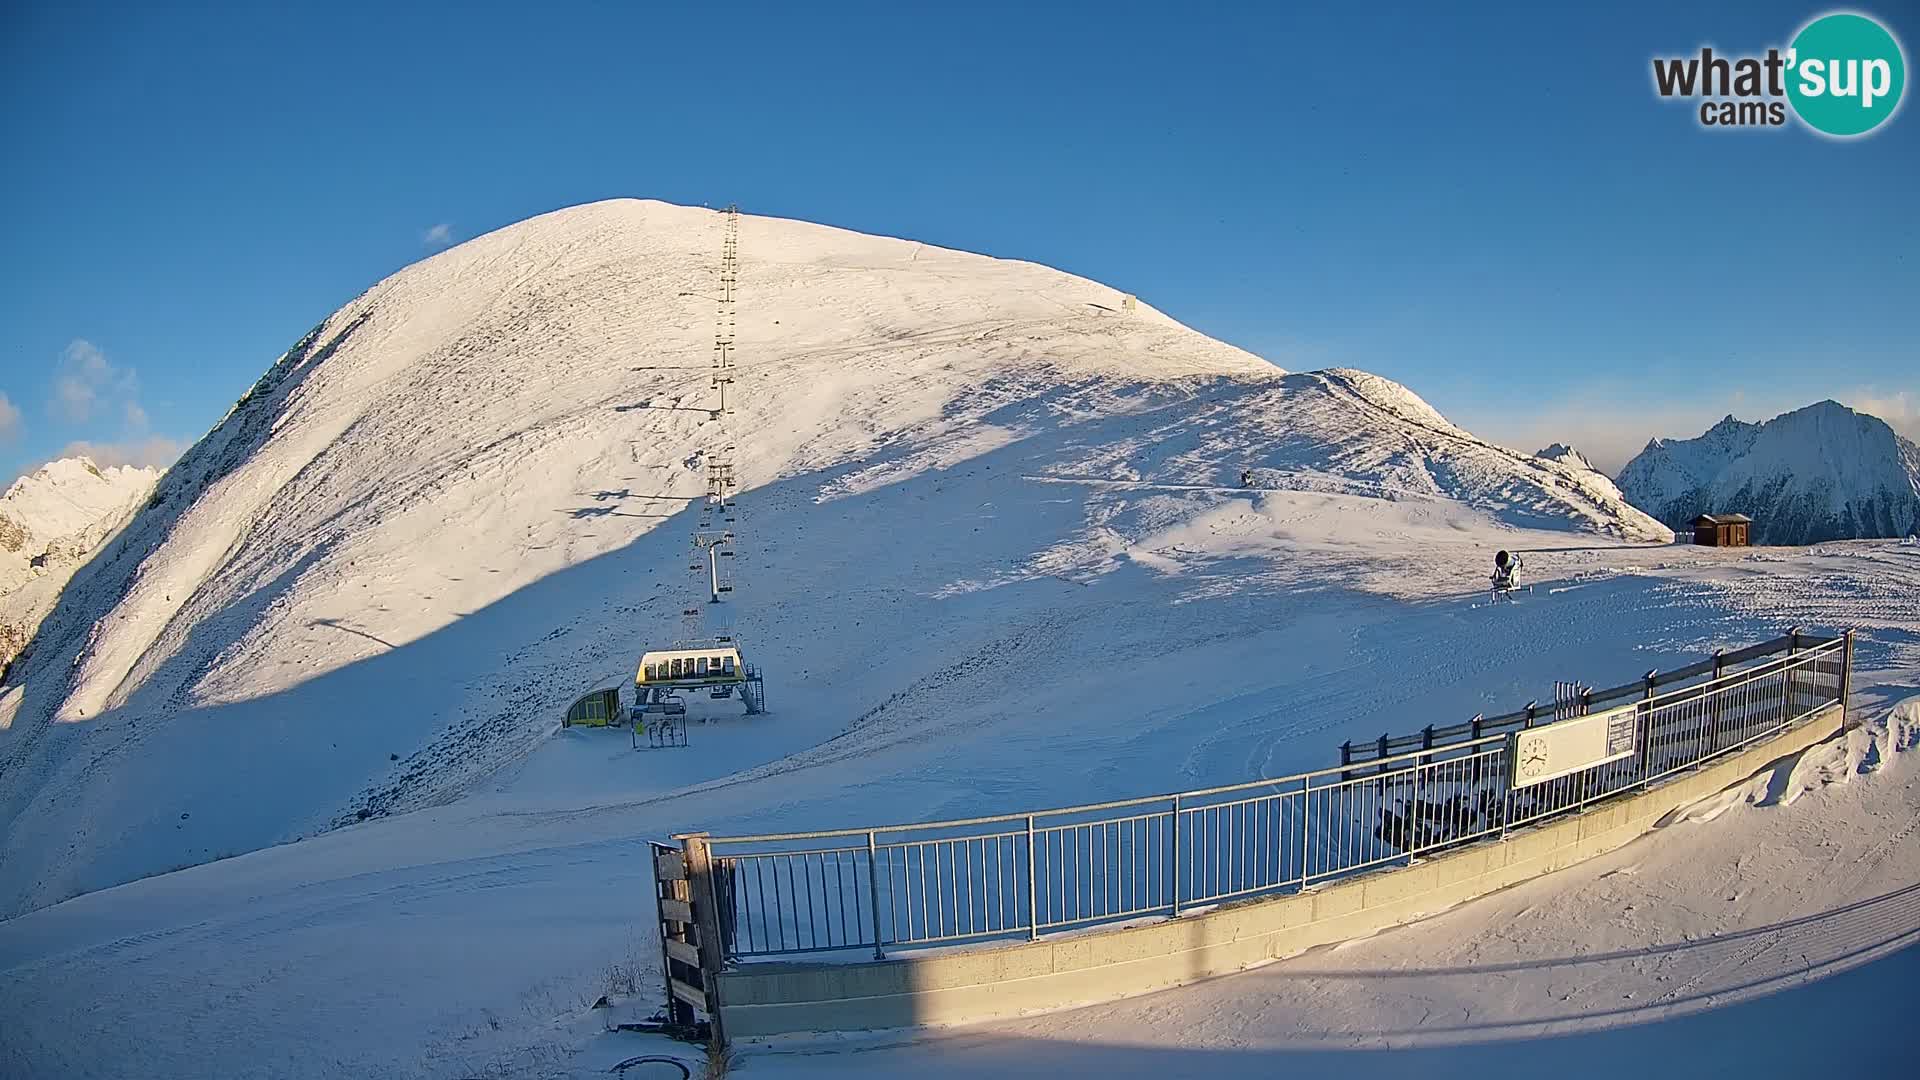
(50, 521)
(465, 497)
(1820, 473)
(1567, 455)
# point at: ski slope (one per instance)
(473, 938)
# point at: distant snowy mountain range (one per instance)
(50, 521)
(1820, 473)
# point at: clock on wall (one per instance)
(1533, 756)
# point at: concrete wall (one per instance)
(982, 983)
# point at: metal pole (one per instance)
(1791, 670)
(1846, 679)
(1306, 829)
(873, 892)
(1413, 817)
(1033, 889)
(1643, 731)
(1176, 856)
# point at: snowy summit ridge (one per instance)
(1823, 472)
(1567, 455)
(465, 494)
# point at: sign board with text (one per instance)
(1564, 747)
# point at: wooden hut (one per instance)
(1721, 530)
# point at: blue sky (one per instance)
(1488, 204)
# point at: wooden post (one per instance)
(706, 920)
(670, 876)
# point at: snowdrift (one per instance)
(463, 498)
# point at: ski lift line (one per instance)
(709, 548)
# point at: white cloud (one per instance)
(90, 389)
(1901, 410)
(9, 420)
(84, 380)
(157, 451)
(438, 236)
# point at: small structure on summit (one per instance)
(1721, 530)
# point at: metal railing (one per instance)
(1715, 666)
(1025, 875)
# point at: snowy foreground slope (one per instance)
(462, 499)
(50, 521)
(473, 939)
(1820, 473)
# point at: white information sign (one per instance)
(1564, 747)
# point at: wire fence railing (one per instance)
(1026, 875)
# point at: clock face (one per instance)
(1533, 756)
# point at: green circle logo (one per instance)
(1845, 74)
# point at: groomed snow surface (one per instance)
(995, 553)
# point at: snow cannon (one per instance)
(1506, 571)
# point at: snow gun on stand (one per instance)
(1506, 576)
